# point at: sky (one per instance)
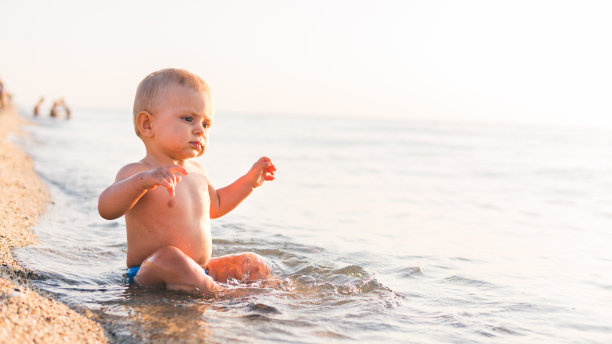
(538, 61)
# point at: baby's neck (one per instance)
(158, 161)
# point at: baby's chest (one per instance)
(192, 191)
(191, 200)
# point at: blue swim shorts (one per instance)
(130, 273)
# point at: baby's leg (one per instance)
(243, 267)
(171, 267)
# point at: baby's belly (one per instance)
(195, 242)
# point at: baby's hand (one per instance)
(167, 176)
(261, 171)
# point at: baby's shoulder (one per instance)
(131, 169)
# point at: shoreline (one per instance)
(27, 314)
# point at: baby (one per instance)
(168, 199)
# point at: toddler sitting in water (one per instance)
(168, 199)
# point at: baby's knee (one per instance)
(154, 269)
(166, 254)
(255, 267)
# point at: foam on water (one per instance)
(378, 231)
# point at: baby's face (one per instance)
(181, 121)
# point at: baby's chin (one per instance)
(200, 152)
(192, 155)
(196, 153)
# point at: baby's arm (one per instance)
(224, 200)
(132, 183)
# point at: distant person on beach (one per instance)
(54, 109)
(60, 103)
(3, 96)
(168, 199)
(37, 106)
(66, 109)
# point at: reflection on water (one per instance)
(385, 231)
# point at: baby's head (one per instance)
(152, 89)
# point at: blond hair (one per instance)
(154, 85)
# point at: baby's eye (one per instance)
(205, 124)
(188, 118)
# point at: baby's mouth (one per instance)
(197, 145)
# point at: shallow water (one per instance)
(380, 231)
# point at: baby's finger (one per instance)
(169, 180)
(171, 186)
(264, 160)
(269, 162)
(170, 191)
(165, 182)
(269, 175)
(179, 169)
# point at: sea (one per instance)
(397, 230)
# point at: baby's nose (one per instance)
(199, 130)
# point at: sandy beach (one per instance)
(28, 315)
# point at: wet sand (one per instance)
(28, 315)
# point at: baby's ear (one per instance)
(144, 123)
